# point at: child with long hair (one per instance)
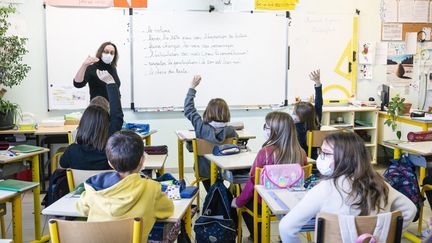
(307, 116)
(97, 124)
(350, 187)
(281, 147)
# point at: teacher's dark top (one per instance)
(97, 86)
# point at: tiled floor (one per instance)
(28, 223)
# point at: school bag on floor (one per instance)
(58, 187)
(402, 177)
(218, 221)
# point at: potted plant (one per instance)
(396, 107)
(12, 70)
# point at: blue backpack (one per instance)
(401, 176)
(218, 221)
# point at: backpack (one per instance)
(401, 176)
(218, 222)
(57, 188)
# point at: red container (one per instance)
(25, 175)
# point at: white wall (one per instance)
(31, 95)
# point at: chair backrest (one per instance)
(204, 147)
(307, 169)
(76, 177)
(315, 139)
(327, 227)
(117, 231)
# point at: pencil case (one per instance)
(189, 192)
(162, 149)
(226, 149)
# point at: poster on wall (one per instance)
(275, 4)
(399, 65)
(68, 97)
(366, 52)
(389, 10)
(366, 71)
(80, 3)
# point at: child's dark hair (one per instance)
(124, 150)
(307, 115)
(93, 127)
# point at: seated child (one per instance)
(350, 187)
(124, 194)
(281, 147)
(212, 127)
(98, 122)
(307, 116)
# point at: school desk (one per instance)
(420, 148)
(188, 135)
(243, 160)
(15, 199)
(155, 162)
(66, 206)
(276, 202)
(34, 157)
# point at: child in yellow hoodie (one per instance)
(124, 194)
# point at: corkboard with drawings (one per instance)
(407, 27)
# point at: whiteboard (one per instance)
(241, 57)
(318, 42)
(71, 35)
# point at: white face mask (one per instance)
(325, 165)
(107, 58)
(266, 133)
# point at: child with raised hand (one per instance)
(96, 125)
(350, 186)
(281, 147)
(308, 116)
(212, 126)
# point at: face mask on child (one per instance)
(324, 164)
(266, 132)
(107, 58)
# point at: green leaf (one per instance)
(399, 134)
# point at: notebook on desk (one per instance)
(24, 148)
(16, 185)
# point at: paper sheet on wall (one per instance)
(389, 10)
(391, 32)
(366, 52)
(381, 51)
(366, 71)
(399, 65)
(80, 3)
(274, 4)
(413, 11)
(67, 96)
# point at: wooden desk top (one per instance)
(151, 132)
(43, 130)
(243, 160)
(154, 161)
(421, 148)
(21, 156)
(188, 135)
(274, 197)
(66, 206)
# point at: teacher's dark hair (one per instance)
(101, 49)
(93, 127)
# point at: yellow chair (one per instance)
(327, 227)
(254, 213)
(315, 139)
(55, 160)
(76, 177)
(201, 147)
(118, 231)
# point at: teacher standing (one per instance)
(106, 59)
